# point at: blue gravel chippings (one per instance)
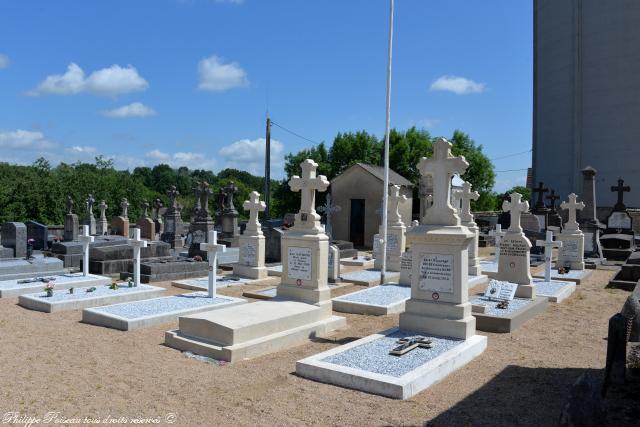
(81, 293)
(514, 305)
(380, 295)
(572, 274)
(552, 288)
(374, 356)
(221, 282)
(368, 275)
(156, 306)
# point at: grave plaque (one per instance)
(503, 291)
(588, 242)
(619, 220)
(406, 264)
(571, 249)
(436, 273)
(299, 263)
(392, 242)
(248, 251)
(514, 248)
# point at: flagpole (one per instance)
(385, 195)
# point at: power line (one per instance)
(294, 133)
(512, 155)
(514, 170)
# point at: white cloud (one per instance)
(25, 140)
(135, 109)
(216, 75)
(112, 81)
(175, 160)
(82, 149)
(4, 61)
(457, 85)
(248, 155)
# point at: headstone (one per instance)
(329, 209)
(146, 225)
(620, 219)
(252, 242)
(548, 245)
(333, 264)
(500, 291)
(212, 248)
(86, 240)
(439, 303)
(172, 220)
(102, 226)
(157, 218)
(71, 223)
(202, 222)
(305, 246)
(229, 215)
(137, 243)
(39, 234)
(555, 220)
(466, 219)
(14, 236)
(120, 224)
(396, 239)
(406, 268)
(589, 223)
(497, 234)
(571, 254)
(89, 219)
(540, 209)
(514, 250)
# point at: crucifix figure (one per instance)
(145, 209)
(173, 194)
(515, 207)
(307, 185)
(254, 205)
(86, 239)
(497, 234)
(125, 206)
(393, 205)
(328, 208)
(408, 344)
(137, 244)
(212, 248)
(103, 209)
(89, 205)
(572, 206)
(621, 189)
(548, 244)
(540, 189)
(69, 205)
(466, 196)
(441, 167)
(553, 197)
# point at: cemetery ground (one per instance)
(52, 362)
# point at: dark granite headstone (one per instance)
(540, 209)
(14, 236)
(555, 220)
(40, 235)
(71, 227)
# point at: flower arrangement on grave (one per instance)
(113, 286)
(197, 258)
(30, 243)
(49, 289)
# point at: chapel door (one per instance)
(356, 223)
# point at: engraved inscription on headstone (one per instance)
(299, 263)
(570, 248)
(500, 290)
(436, 273)
(248, 251)
(588, 242)
(406, 263)
(619, 220)
(516, 248)
(392, 242)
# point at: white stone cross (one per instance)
(308, 185)
(125, 206)
(515, 207)
(572, 206)
(456, 196)
(442, 166)
(86, 239)
(393, 205)
(548, 244)
(103, 207)
(497, 234)
(254, 205)
(137, 244)
(212, 248)
(466, 196)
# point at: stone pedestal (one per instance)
(572, 250)
(147, 228)
(172, 229)
(439, 303)
(90, 221)
(396, 245)
(474, 261)
(251, 261)
(230, 225)
(514, 263)
(333, 272)
(102, 227)
(14, 236)
(592, 245)
(71, 227)
(120, 226)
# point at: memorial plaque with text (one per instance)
(571, 249)
(406, 264)
(248, 250)
(299, 263)
(436, 273)
(500, 290)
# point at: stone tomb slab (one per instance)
(202, 283)
(271, 292)
(63, 300)
(493, 319)
(275, 270)
(366, 365)
(11, 288)
(141, 314)
(555, 290)
(251, 330)
(576, 276)
(377, 301)
(360, 261)
(14, 268)
(369, 277)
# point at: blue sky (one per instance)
(187, 82)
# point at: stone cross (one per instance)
(442, 166)
(329, 208)
(307, 185)
(212, 248)
(125, 206)
(86, 239)
(515, 207)
(69, 205)
(540, 189)
(620, 189)
(89, 205)
(196, 199)
(548, 244)
(157, 204)
(173, 194)
(137, 244)
(572, 206)
(393, 204)
(455, 199)
(145, 209)
(553, 197)
(103, 208)
(466, 196)
(229, 190)
(254, 205)
(497, 234)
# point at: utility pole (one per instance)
(267, 171)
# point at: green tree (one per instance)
(351, 148)
(525, 191)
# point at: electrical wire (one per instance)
(294, 133)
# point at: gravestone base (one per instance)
(252, 330)
(147, 228)
(506, 321)
(71, 227)
(366, 365)
(556, 291)
(251, 259)
(378, 301)
(572, 251)
(91, 222)
(576, 276)
(592, 245)
(120, 226)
